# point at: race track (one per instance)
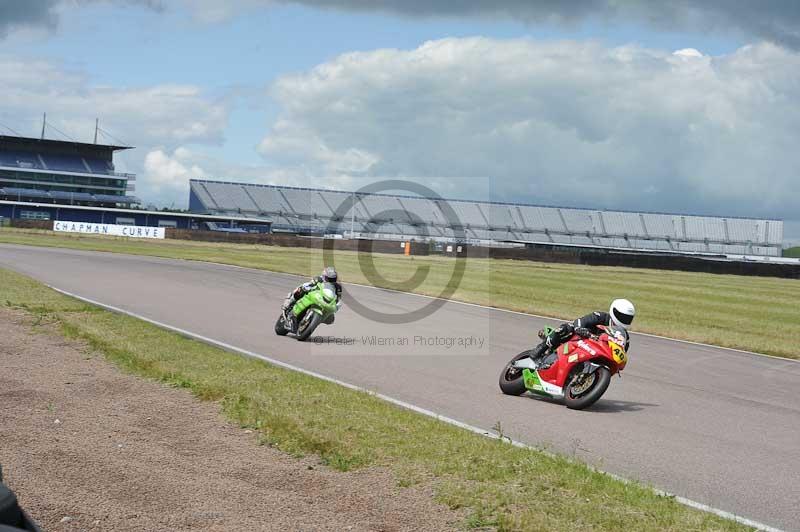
(713, 425)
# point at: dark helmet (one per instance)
(329, 274)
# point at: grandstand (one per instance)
(47, 180)
(64, 173)
(386, 216)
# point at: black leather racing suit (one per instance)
(305, 288)
(589, 323)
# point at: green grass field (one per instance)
(792, 252)
(497, 484)
(751, 313)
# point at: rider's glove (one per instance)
(559, 335)
(553, 340)
(583, 332)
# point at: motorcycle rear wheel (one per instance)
(280, 326)
(576, 398)
(511, 381)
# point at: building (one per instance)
(43, 179)
(386, 216)
(58, 172)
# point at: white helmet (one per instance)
(622, 313)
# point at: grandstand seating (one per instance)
(99, 166)
(395, 216)
(64, 163)
(61, 194)
(109, 198)
(59, 163)
(20, 159)
(24, 192)
(15, 193)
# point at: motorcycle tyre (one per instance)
(280, 326)
(597, 390)
(514, 386)
(313, 323)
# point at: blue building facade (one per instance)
(52, 180)
(27, 210)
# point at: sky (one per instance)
(680, 107)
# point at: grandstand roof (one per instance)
(33, 143)
(389, 216)
(332, 190)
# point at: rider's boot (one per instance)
(288, 316)
(540, 351)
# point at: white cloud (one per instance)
(155, 119)
(164, 171)
(556, 122)
(304, 145)
(688, 53)
(167, 173)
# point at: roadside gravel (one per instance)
(87, 447)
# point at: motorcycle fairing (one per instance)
(618, 353)
(575, 352)
(316, 300)
(538, 385)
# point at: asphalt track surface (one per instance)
(717, 426)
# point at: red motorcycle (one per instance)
(579, 371)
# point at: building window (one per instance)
(126, 221)
(168, 223)
(34, 215)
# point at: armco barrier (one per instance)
(293, 241)
(593, 257)
(655, 261)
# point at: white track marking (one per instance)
(403, 404)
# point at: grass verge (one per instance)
(792, 252)
(751, 313)
(499, 485)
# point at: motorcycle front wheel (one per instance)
(308, 323)
(511, 381)
(584, 390)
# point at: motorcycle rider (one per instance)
(620, 314)
(328, 275)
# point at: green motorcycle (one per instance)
(317, 306)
